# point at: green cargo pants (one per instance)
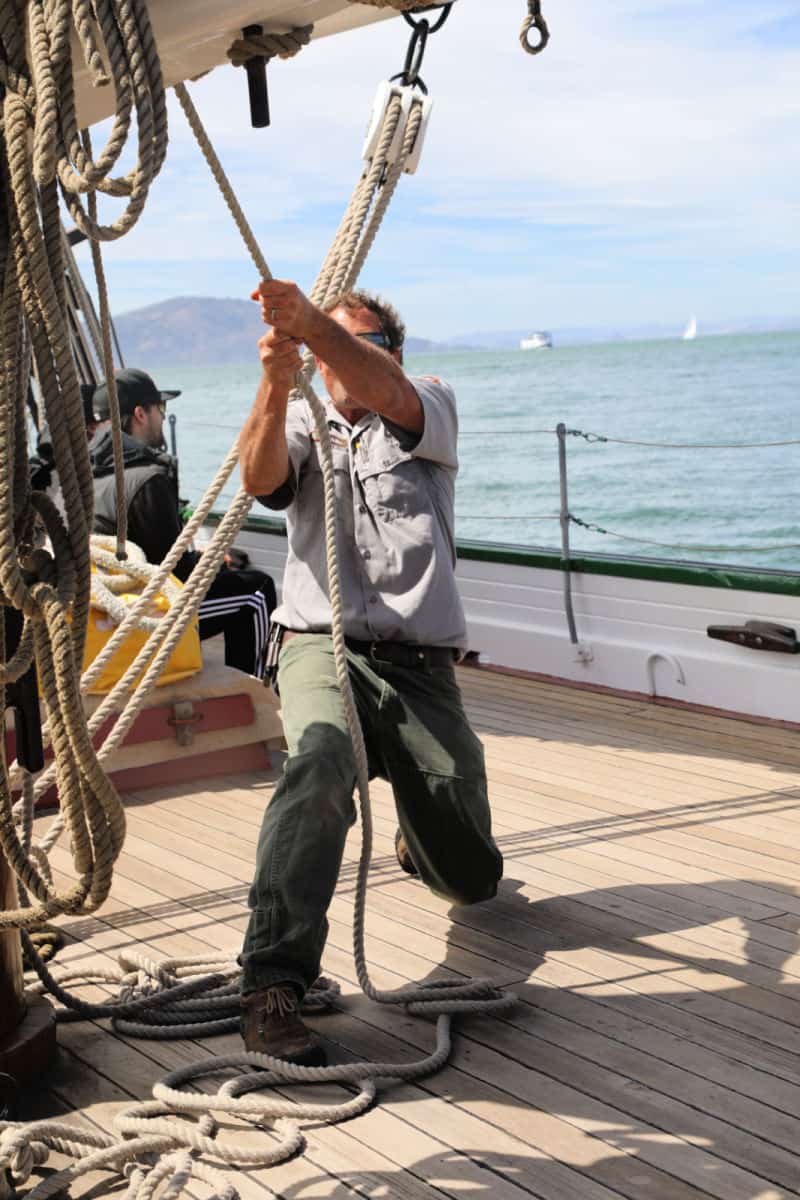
(418, 738)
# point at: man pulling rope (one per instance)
(394, 450)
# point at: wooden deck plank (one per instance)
(722, 936)
(658, 1184)
(635, 728)
(648, 919)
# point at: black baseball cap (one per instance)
(134, 387)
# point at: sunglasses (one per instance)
(161, 405)
(375, 338)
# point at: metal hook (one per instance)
(671, 661)
(438, 23)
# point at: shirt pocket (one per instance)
(340, 457)
(395, 483)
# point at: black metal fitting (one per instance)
(422, 29)
(256, 68)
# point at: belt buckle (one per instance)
(373, 656)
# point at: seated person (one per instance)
(239, 602)
(42, 463)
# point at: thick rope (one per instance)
(269, 45)
(114, 701)
(110, 581)
(207, 991)
(54, 593)
(399, 5)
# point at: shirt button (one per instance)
(373, 599)
(362, 508)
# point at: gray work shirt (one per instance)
(395, 494)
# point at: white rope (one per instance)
(43, 150)
(110, 580)
(164, 998)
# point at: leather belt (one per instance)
(397, 654)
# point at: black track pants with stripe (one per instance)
(238, 605)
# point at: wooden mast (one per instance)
(27, 1025)
(12, 1003)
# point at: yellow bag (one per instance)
(186, 658)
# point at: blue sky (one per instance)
(644, 167)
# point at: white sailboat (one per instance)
(690, 332)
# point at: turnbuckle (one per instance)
(421, 30)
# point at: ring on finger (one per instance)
(273, 315)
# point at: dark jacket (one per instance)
(151, 498)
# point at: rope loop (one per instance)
(534, 21)
(270, 45)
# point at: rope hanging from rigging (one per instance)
(534, 22)
(178, 1141)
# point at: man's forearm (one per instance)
(372, 378)
(263, 452)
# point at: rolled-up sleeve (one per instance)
(439, 439)
(298, 442)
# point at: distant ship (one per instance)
(537, 341)
(690, 332)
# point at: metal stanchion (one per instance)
(561, 433)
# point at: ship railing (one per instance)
(568, 519)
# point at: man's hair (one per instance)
(392, 325)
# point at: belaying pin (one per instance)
(256, 68)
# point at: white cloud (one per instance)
(646, 132)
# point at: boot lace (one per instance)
(280, 1001)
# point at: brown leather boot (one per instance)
(270, 1024)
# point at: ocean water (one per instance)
(741, 390)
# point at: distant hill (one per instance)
(206, 332)
(200, 332)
